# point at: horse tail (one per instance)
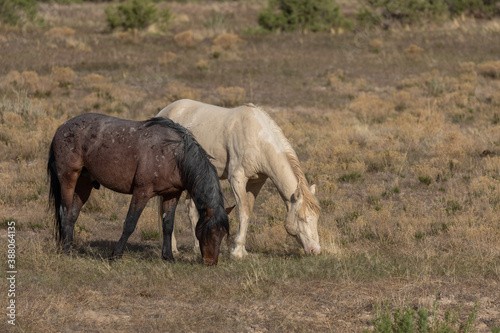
(55, 197)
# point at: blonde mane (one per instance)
(310, 201)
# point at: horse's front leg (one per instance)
(135, 209)
(194, 216)
(169, 206)
(238, 184)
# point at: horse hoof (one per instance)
(169, 258)
(66, 249)
(239, 253)
(115, 257)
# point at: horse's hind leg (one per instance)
(73, 198)
(68, 183)
(135, 209)
(67, 221)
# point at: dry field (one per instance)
(399, 129)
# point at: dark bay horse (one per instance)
(156, 157)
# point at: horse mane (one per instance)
(198, 174)
(310, 201)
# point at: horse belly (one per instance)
(114, 171)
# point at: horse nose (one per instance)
(210, 262)
(315, 250)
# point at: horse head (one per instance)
(210, 231)
(302, 220)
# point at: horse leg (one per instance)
(169, 207)
(253, 189)
(238, 185)
(80, 196)
(193, 218)
(68, 218)
(135, 209)
(161, 215)
(174, 243)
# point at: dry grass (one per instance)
(399, 130)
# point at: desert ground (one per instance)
(399, 129)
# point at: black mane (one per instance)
(198, 173)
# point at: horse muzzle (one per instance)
(210, 262)
(312, 250)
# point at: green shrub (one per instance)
(386, 12)
(311, 15)
(376, 12)
(136, 14)
(477, 8)
(66, 2)
(14, 12)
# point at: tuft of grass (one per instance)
(489, 69)
(4, 223)
(231, 96)
(351, 177)
(453, 206)
(36, 225)
(218, 22)
(187, 39)
(408, 320)
(150, 234)
(425, 180)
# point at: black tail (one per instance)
(54, 193)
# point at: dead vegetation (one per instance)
(400, 130)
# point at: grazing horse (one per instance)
(248, 147)
(156, 157)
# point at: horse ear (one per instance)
(297, 195)
(313, 188)
(229, 209)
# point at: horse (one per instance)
(156, 157)
(248, 148)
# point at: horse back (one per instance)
(245, 131)
(117, 153)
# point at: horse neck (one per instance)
(281, 173)
(200, 178)
(206, 196)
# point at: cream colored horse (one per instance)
(248, 147)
